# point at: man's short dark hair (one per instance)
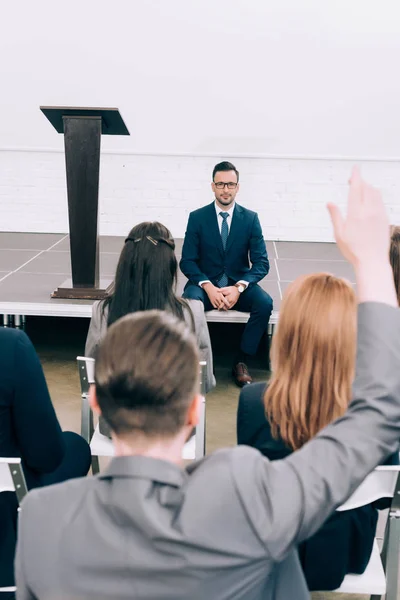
(225, 166)
(146, 374)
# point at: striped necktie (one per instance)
(223, 281)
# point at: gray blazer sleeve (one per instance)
(287, 501)
(203, 338)
(23, 590)
(97, 329)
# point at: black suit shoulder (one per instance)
(203, 211)
(11, 342)
(250, 214)
(11, 336)
(252, 426)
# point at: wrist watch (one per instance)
(240, 287)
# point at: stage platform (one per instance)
(33, 265)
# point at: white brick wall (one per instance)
(289, 194)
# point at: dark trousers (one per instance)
(253, 300)
(76, 463)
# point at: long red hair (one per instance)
(313, 358)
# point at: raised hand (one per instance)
(363, 237)
(364, 234)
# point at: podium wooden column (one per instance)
(82, 129)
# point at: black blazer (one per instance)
(203, 256)
(28, 429)
(344, 543)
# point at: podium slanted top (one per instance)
(111, 121)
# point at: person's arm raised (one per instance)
(364, 238)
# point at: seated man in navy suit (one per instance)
(219, 241)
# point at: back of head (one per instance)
(146, 374)
(146, 273)
(313, 358)
(394, 256)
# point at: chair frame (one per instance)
(87, 424)
(20, 489)
(17, 476)
(200, 450)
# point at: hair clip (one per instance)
(169, 242)
(152, 240)
(134, 240)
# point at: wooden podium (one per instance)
(82, 129)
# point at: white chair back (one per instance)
(6, 482)
(90, 369)
(86, 372)
(12, 477)
(381, 483)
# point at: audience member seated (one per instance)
(146, 279)
(395, 258)
(29, 429)
(313, 361)
(228, 526)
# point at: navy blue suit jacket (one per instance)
(203, 256)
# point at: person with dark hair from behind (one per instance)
(394, 256)
(146, 279)
(224, 258)
(227, 526)
(313, 363)
(29, 429)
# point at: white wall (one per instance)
(208, 76)
(284, 88)
(290, 195)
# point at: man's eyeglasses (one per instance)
(220, 185)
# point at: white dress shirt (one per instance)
(218, 210)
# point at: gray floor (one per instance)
(33, 265)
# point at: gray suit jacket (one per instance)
(227, 527)
(98, 329)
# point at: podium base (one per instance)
(68, 291)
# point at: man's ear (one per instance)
(194, 410)
(213, 186)
(94, 405)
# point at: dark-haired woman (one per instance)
(146, 279)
